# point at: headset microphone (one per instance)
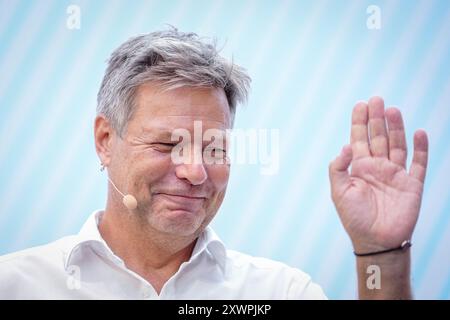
(128, 200)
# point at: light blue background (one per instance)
(310, 62)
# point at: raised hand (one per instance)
(378, 201)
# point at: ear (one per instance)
(103, 135)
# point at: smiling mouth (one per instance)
(181, 196)
(181, 202)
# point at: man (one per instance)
(153, 241)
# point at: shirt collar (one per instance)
(90, 237)
(209, 241)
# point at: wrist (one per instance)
(392, 271)
(405, 245)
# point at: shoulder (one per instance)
(28, 269)
(285, 281)
(37, 254)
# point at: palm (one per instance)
(371, 205)
(378, 201)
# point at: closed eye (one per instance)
(164, 146)
(217, 152)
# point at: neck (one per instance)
(154, 256)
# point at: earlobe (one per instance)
(102, 137)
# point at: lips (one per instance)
(182, 201)
(180, 195)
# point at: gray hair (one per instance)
(172, 59)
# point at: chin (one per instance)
(177, 222)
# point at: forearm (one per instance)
(394, 273)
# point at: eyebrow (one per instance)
(157, 133)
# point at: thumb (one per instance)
(338, 169)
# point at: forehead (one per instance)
(179, 108)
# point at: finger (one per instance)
(379, 146)
(359, 138)
(397, 140)
(418, 167)
(338, 169)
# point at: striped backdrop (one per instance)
(310, 62)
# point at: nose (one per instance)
(194, 173)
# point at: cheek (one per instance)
(218, 175)
(151, 167)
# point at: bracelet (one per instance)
(405, 245)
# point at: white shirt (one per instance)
(84, 267)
